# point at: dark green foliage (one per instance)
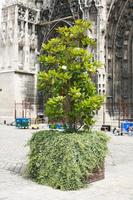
(63, 160)
(67, 77)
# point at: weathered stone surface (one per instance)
(118, 182)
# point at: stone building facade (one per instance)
(26, 24)
(18, 64)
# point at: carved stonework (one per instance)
(32, 17)
(22, 12)
(5, 15)
(3, 34)
(120, 64)
(59, 8)
(33, 41)
(21, 38)
(75, 8)
(11, 32)
(45, 14)
(93, 11)
(3, 38)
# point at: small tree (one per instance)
(67, 77)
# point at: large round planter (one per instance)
(97, 175)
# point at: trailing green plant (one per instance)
(63, 160)
(68, 67)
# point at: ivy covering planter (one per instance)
(64, 160)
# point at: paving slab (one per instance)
(117, 185)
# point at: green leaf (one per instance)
(66, 81)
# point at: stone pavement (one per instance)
(117, 185)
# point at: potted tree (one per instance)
(71, 159)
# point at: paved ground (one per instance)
(118, 184)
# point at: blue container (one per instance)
(23, 122)
(59, 126)
(125, 126)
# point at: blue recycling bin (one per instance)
(59, 126)
(23, 122)
(125, 126)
